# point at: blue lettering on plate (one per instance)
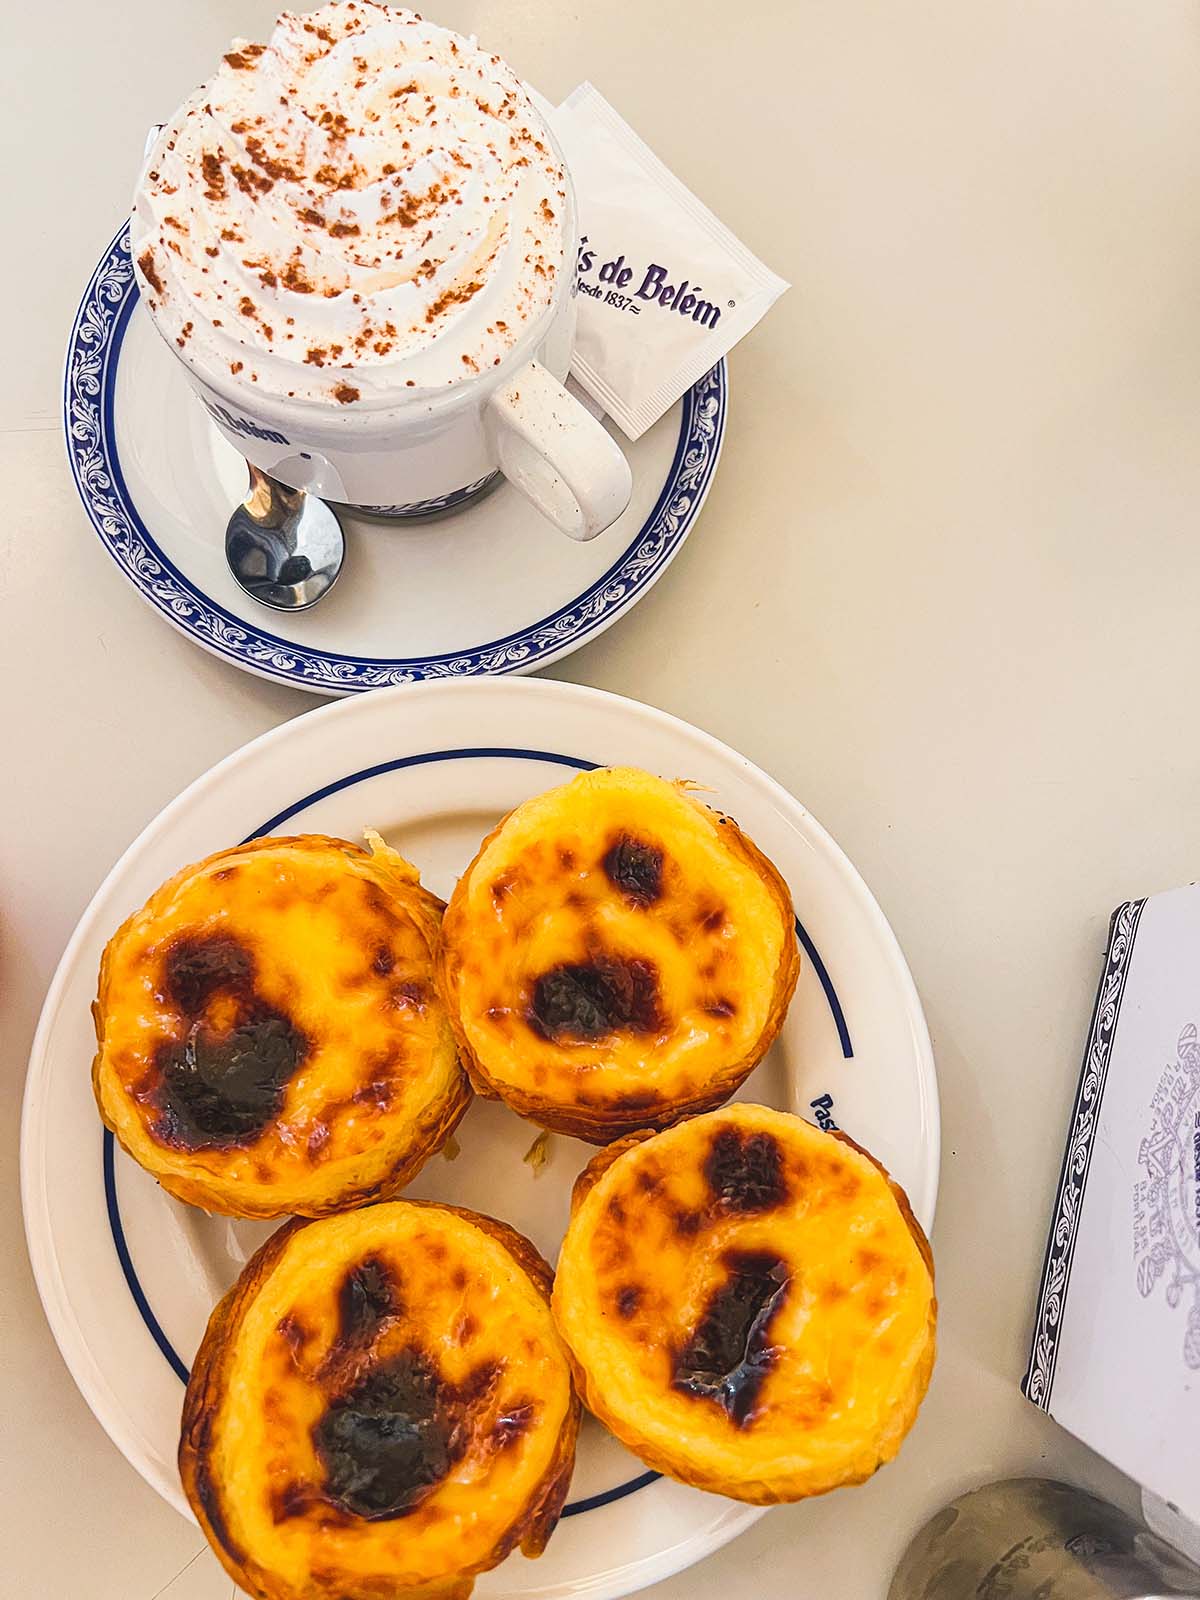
(822, 1106)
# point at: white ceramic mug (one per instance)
(402, 455)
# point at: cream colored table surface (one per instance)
(946, 588)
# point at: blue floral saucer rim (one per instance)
(89, 385)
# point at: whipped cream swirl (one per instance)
(366, 205)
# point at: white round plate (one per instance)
(128, 1276)
(487, 588)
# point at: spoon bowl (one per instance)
(285, 547)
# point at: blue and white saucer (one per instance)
(486, 589)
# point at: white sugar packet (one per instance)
(665, 290)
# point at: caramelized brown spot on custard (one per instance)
(293, 1332)
(477, 1385)
(382, 962)
(291, 1500)
(217, 1091)
(516, 1420)
(223, 1080)
(406, 996)
(388, 1441)
(593, 999)
(197, 968)
(745, 1171)
(369, 1296)
(635, 868)
(629, 1298)
(378, 1093)
(503, 886)
(728, 1357)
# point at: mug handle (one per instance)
(557, 454)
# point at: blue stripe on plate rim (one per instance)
(89, 385)
(473, 753)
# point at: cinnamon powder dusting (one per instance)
(293, 278)
(214, 175)
(457, 294)
(243, 60)
(392, 243)
(150, 271)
